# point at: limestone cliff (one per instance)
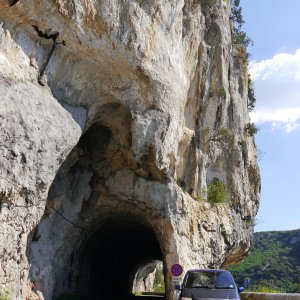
(116, 116)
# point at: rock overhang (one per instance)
(151, 91)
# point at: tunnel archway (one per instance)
(112, 255)
(94, 239)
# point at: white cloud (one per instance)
(282, 66)
(288, 119)
(277, 87)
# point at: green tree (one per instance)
(273, 264)
(217, 192)
(251, 129)
(251, 94)
(239, 36)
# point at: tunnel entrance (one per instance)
(93, 239)
(112, 257)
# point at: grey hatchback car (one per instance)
(209, 284)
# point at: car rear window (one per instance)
(218, 280)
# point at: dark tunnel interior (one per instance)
(113, 255)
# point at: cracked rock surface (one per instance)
(118, 131)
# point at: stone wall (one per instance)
(266, 296)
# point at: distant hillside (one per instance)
(273, 263)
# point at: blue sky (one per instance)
(274, 25)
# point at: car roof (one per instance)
(207, 270)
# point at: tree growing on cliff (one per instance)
(222, 136)
(251, 129)
(239, 36)
(251, 94)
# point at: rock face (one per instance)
(115, 118)
(146, 277)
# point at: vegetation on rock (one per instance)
(244, 148)
(217, 91)
(222, 136)
(217, 192)
(251, 129)
(4, 296)
(239, 37)
(159, 282)
(251, 94)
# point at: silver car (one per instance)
(209, 284)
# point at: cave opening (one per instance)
(94, 241)
(112, 256)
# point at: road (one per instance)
(148, 297)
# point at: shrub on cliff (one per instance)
(222, 136)
(217, 192)
(251, 129)
(251, 94)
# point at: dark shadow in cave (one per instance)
(111, 257)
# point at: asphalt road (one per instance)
(127, 298)
(148, 298)
(141, 298)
